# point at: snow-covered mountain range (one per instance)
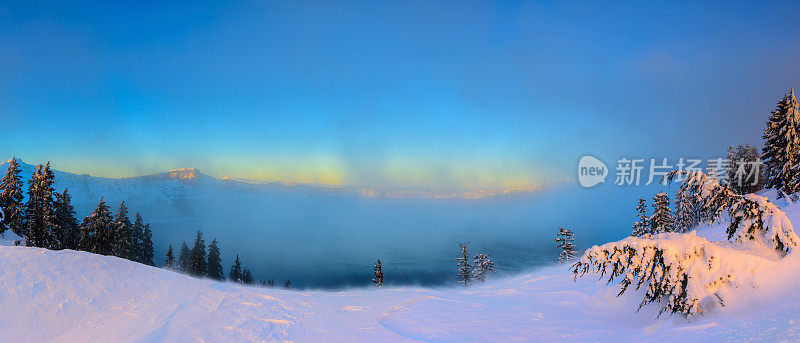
(162, 194)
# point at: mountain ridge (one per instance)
(181, 178)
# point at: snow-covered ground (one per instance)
(69, 296)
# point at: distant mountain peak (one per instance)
(183, 174)
(19, 160)
(189, 175)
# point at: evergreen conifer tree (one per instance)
(247, 276)
(753, 180)
(67, 229)
(144, 241)
(744, 171)
(183, 257)
(235, 274)
(197, 257)
(141, 241)
(565, 240)
(137, 241)
(169, 262)
(686, 212)
(781, 152)
(378, 274)
(662, 220)
(642, 224)
(124, 238)
(11, 199)
(483, 267)
(464, 265)
(97, 231)
(214, 262)
(40, 210)
(287, 284)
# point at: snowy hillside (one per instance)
(69, 296)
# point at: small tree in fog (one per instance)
(236, 270)
(378, 271)
(197, 257)
(464, 266)
(483, 267)
(247, 276)
(564, 240)
(288, 283)
(183, 257)
(169, 262)
(214, 269)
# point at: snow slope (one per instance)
(69, 296)
(72, 296)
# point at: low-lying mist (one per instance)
(333, 241)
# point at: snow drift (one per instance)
(69, 296)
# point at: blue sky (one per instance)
(423, 94)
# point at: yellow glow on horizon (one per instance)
(330, 170)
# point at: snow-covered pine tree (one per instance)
(781, 152)
(97, 231)
(464, 265)
(137, 239)
(183, 257)
(247, 276)
(752, 217)
(744, 171)
(3, 226)
(378, 274)
(148, 252)
(673, 265)
(670, 266)
(67, 229)
(169, 262)
(143, 241)
(731, 168)
(214, 270)
(642, 225)
(124, 237)
(197, 257)
(11, 199)
(661, 221)
(752, 169)
(565, 241)
(483, 267)
(40, 210)
(235, 274)
(686, 212)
